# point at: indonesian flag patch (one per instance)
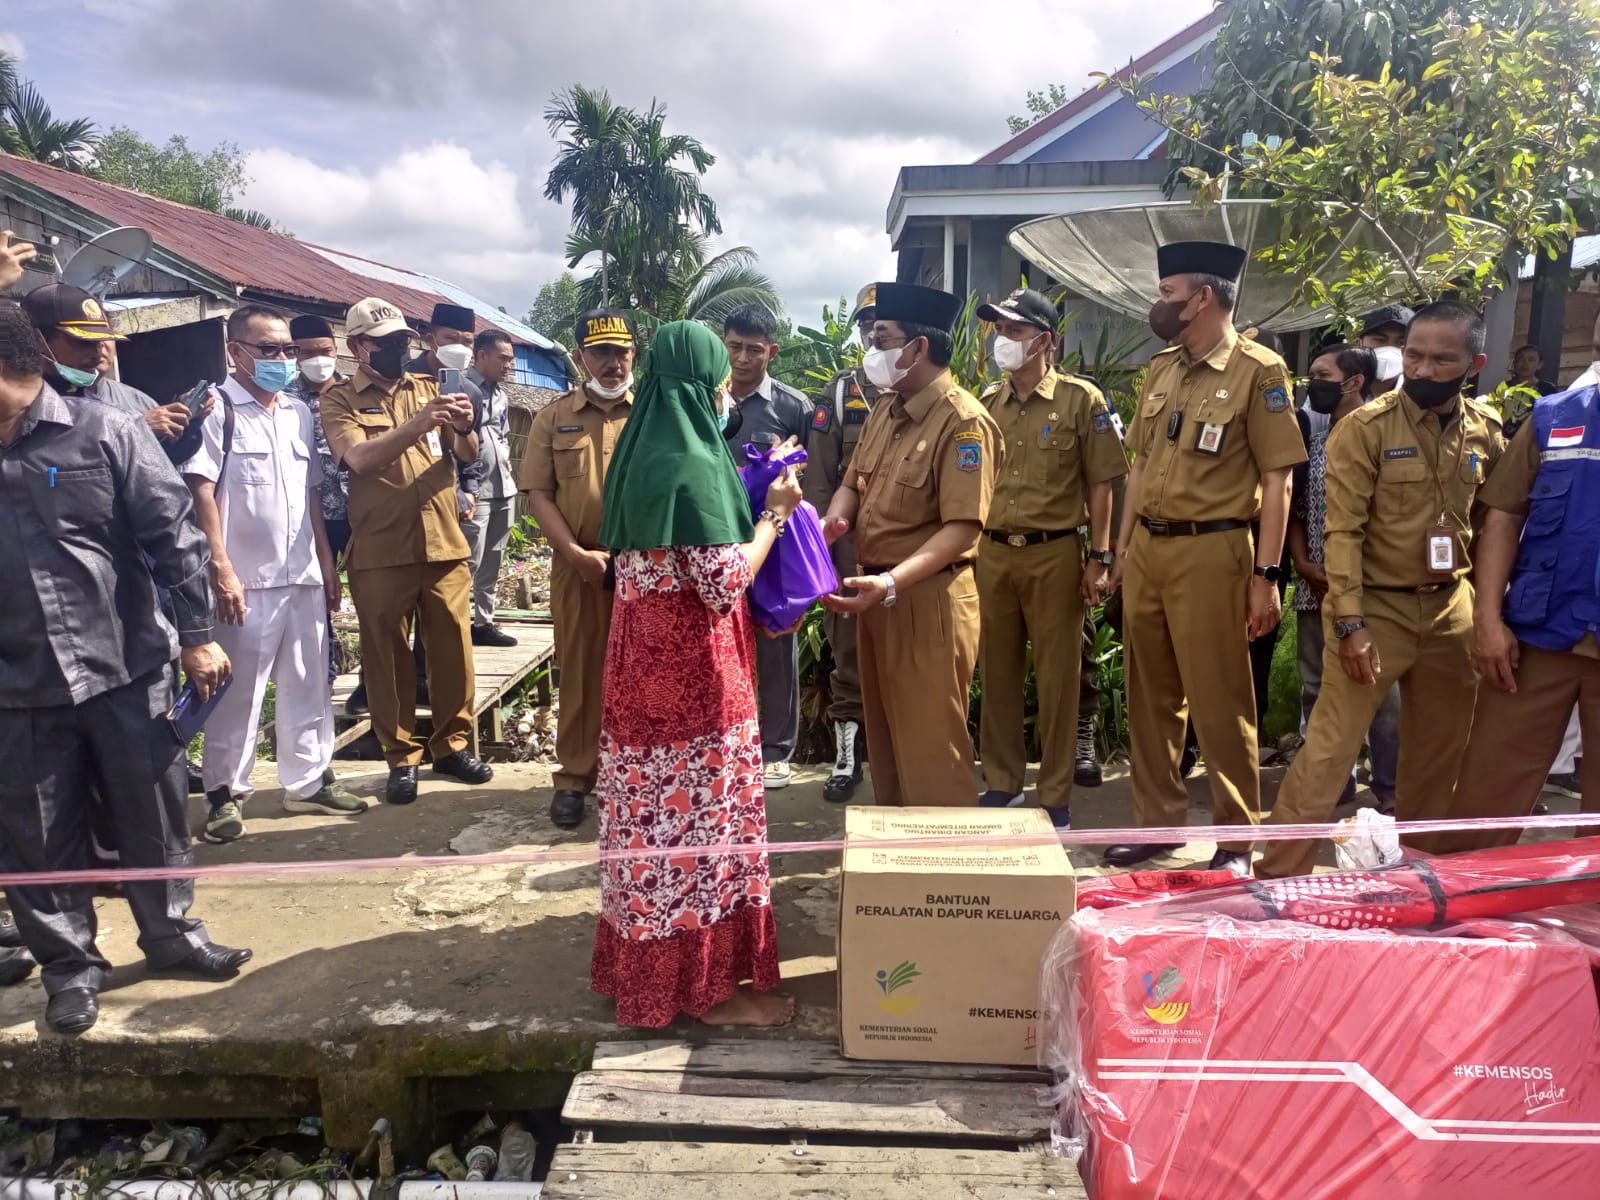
(1561, 438)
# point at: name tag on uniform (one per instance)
(569, 428)
(1441, 550)
(1210, 437)
(435, 446)
(1398, 452)
(373, 412)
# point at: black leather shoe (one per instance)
(72, 1011)
(491, 635)
(356, 704)
(210, 962)
(15, 966)
(1188, 762)
(402, 785)
(461, 765)
(9, 934)
(1086, 770)
(839, 788)
(1234, 861)
(1127, 856)
(566, 809)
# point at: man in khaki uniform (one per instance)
(563, 473)
(1535, 620)
(1403, 475)
(918, 494)
(836, 428)
(401, 441)
(1063, 448)
(1215, 440)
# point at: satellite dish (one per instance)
(106, 259)
(1109, 255)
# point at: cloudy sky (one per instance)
(411, 131)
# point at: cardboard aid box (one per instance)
(940, 948)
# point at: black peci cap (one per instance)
(453, 316)
(1025, 305)
(906, 302)
(1200, 258)
(309, 327)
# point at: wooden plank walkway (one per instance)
(497, 671)
(730, 1120)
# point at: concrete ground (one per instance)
(365, 980)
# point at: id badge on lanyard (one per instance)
(1441, 550)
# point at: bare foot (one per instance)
(764, 1010)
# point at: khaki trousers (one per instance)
(916, 673)
(1030, 594)
(844, 683)
(582, 615)
(1425, 644)
(1184, 614)
(1516, 737)
(440, 594)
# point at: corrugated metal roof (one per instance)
(1585, 254)
(250, 258)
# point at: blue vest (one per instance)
(1554, 598)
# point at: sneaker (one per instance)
(491, 635)
(1000, 798)
(776, 776)
(224, 823)
(1565, 785)
(1086, 770)
(330, 799)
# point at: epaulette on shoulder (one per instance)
(1373, 409)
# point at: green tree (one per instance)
(10, 81)
(637, 201)
(29, 129)
(812, 355)
(555, 307)
(1419, 187)
(698, 288)
(1040, 105)
(211, 180)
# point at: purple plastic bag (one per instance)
(799, 568)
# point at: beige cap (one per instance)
(374, 318)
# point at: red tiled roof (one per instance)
(250, 258)
(1209, 23)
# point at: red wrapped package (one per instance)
(1140, 887)
(1211, 1058)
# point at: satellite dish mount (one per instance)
(106, 259)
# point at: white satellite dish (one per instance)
(106, 259)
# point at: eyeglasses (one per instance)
(891, 342)
(272, 349)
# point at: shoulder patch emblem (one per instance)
(969, 454)
(1400, 452)
(1277, 397)
(819, 419)
(1102, 422)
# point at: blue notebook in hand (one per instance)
(188, 715)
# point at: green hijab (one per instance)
(672, 479)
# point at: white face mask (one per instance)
(1390, 362)
(317, 369)
(457, 358)
(611, 393)
(1010, 354)
(881, 370)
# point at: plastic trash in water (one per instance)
(480, 1163)
(444, 1161)
(517, 1152)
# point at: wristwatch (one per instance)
(1106, 558)
(1271, 574)
(1343, 627)
(890, 595)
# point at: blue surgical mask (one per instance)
(75, 377)
(274, 374)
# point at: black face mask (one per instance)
(1167, 320)
(1431, 393)
(1324, 395)
(388, 359)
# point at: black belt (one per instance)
(1427, 589)
(1037, 538)
(954, 567)
(1189, 528)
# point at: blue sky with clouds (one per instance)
(410, 131)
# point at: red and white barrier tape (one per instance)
(587, 854)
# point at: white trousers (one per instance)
(284, 639)
(1571, 748)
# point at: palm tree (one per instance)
(697, 288)
(9, 80)
(30, 130)
(592, 157)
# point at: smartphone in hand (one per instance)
(195, 398)
(452, 381)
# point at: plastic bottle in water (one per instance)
(517, 1150)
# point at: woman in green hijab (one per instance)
(680, 751)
